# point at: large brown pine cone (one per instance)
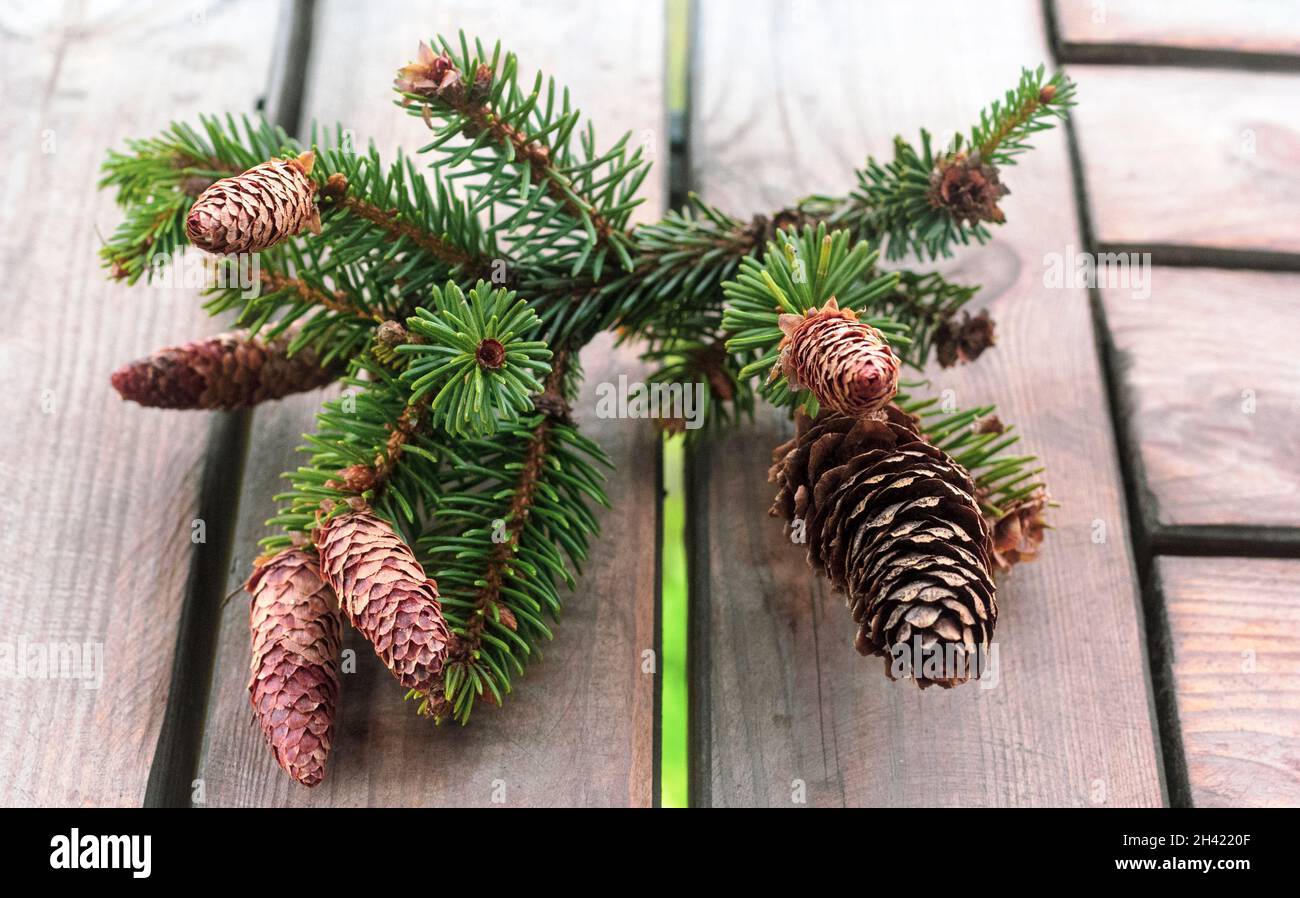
(893, 523)
(230, 370)
(384, 592)
(297, 635)
(257, 209)
(846, 363)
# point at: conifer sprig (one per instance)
(157, 179)
(369, 444)
(512, 525)
(897, 204)
(388, 235)
(1035, 104)
(528, 157)
(982, 444)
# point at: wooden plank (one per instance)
(1125, 29)
(1210, 377)
(1186, 158)
(99, 542)
(782, 702)
(579, 728)
(1234, 625)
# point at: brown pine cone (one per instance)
(846, 363)
(384, 592)
(297, 635)
(893, 523)
(230, 370)
(255, 210)
(967, 188)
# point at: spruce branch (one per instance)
(370, 445)
(388, 236)
(157, 180)
(453, 432)
(565, 206)
(924, 202)
(928, 201)
(400, 230)
(512, 524)
(1033, 105)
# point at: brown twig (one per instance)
(398, 228)
(1013, 122)
(334, 301)
(436, 79)
(489, 596)
(361, 478)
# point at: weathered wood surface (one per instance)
(781, 701)
(1182, 158)
(578, 729)
(98, 544)
(1122, 29)
(1235, 630)
(1209, 368)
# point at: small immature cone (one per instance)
(1019, 532)
(230, 370)
(256, 210)
(967, 188)
(297, 636)
(847, 364)
(965, 340)
(435, 75)
(384, 592)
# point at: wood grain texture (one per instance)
(98, 541)
(1203, 159)
(782, 702)
(1255, 27)
(578, 730)
(1235, 630)
(1209, 368)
